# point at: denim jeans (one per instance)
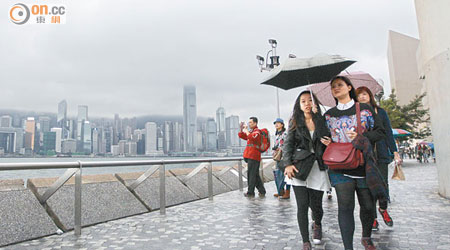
(279, 180)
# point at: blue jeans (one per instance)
(279, 180)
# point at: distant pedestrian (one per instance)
(280, 137)
(342, 123)
(384, 149)
(252, 156)
(304, 165)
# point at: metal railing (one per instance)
(75, 168)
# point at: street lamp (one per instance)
(274, 62)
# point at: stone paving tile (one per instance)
(421, 221)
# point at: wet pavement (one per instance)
(421, 221)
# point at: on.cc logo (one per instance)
(19, 13)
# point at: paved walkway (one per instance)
(421, 221)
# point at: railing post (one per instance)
(241, 181)
(210, 182)
(78, 200)
(162, 189)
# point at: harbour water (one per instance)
(26, 174)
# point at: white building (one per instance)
(434, 69)
(58, 141)
(189, 118)
(151, 138)
(403, 69)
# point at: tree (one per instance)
(412, 117)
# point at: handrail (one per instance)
(75, 168)
(91, 164)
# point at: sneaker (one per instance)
(387, 219)
(367, 243)
(317, 234)
(262, 195)
(307, 246)
(249, 195)
(375, 225)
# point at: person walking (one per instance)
(341, 121)
(280, 137)
(304, 165)
(384, 150)
(252, 156)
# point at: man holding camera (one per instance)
(252, 156)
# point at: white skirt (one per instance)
(317, 180)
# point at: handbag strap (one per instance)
(358, 118)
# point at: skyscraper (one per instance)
(220, 119)
(30, 131)
(87, 137)
(61, 118)
(167, 135)
(232, 130)
(211, 135)
(189, 118)
(58, 139)
(6, 121)
(44, 124)
(82, 116)
(150, 138)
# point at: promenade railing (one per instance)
(75, 169)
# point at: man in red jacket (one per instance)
(252, 156)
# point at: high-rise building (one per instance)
(61, 118)
(81, 118)
(58, 139)
(167, 135)
(44, 124)
(87, 137)
(95, 141)
(6, 121)
(30, 132)
(116, 136)
(232, 131)
(49, 141)
(189, 118)
(150, 138)
(211, 135)
(220, 119)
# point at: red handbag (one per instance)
(343, 156)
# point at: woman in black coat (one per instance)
(303, 150)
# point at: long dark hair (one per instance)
(349, 83)
(298, 116)
(373, 103)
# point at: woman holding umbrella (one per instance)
(305, 170)
(364, 179)
(384, 149)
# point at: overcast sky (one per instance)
(133, 57)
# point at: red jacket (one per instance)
(252, 139)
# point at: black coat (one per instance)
(300, 139)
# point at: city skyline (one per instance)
(89, 65)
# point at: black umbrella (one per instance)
(297, 72)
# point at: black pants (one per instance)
(346, 204)
(383, 204)
(254, 180)
(306, 198)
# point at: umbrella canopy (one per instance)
(297, 72)
(358, 79)
(427, 143)
(397, 132)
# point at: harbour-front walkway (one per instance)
(231, 221)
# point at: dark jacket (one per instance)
(300, 138)
(386, 147)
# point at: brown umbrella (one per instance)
(323, 90)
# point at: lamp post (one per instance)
(274, 62)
